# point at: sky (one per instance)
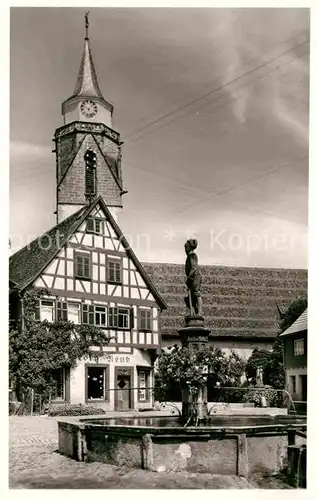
(212, 106)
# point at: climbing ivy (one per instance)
(37, 349)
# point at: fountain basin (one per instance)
(227, 445)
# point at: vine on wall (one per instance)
(37, 349)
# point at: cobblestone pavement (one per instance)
(35, 463)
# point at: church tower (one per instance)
(88, 150)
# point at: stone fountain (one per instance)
(221, 445)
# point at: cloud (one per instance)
(19, 148)
(245, 43)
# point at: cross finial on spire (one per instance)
(86, 24)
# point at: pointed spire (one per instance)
(86, 25)
(87, 83)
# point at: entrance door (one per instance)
(123, 400)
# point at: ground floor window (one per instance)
(58, 390)
(144, 376)
(292, 384)
(97, 382)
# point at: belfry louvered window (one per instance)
(90, 181)
(90, 172)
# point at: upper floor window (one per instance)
(68, 311)
(73, 312)
(45, 310)
(119, 317)
(114, 271)
(100, 315)
(298, 347)
(95, 226)
(82, 266)
(145, 319)
(94, 315)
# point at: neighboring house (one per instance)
(86, 263)
(295, 358)
(240, 304)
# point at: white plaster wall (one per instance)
(103, 116)
(77, 375)
(243, 348)
(295, 372)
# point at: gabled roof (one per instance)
(28, 263)
(300, 325)
(238, 302)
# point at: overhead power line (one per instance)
(210, 93)
(232, 188)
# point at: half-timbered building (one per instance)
(85, 262)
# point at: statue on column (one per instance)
(193, 300)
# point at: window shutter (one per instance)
(64, 311)
(149, 320)
(90, 224)
(85, 314)
(131, 318)
(91, 315)
(61, 311)
(37, 315)
(58, 310)
(118, 272)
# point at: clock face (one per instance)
(89, 108)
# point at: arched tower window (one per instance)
(90, 173)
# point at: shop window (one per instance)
(143, 385)
(96, 383)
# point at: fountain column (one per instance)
(194, 336)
